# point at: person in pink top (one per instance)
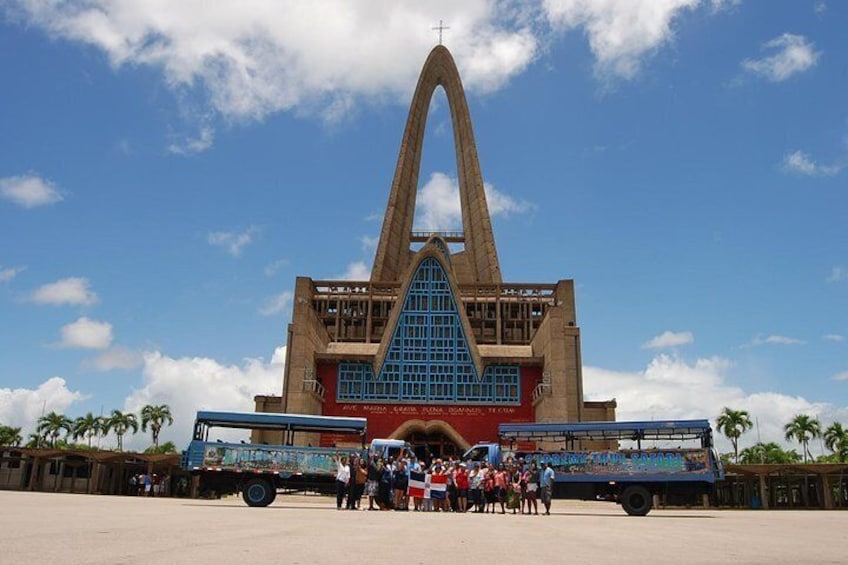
(500, 487)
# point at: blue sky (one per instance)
(167, 171)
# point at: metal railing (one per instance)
(313, 386)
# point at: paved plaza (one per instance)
(66, 528)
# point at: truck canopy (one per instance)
(279, 422)
(595, 431)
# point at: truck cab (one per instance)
(385, 448)
(484, 453)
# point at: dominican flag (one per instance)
(425, 485)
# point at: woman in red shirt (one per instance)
(461, 479)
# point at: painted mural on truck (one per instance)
(283, 460)
(651, 462)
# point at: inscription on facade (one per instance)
(428, 411)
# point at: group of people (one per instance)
(469, 486)
(147, 484)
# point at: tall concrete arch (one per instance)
(393, 251)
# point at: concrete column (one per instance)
(764, 494)
(93, 477)
(827, 495)
(33, 474)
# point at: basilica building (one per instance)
(435, 348)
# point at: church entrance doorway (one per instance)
(433, 446)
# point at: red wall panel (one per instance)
(475, 422)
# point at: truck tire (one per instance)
(258, 492)
(636, 500)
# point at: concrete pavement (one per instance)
(67, 528)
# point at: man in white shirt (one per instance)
(546, 480)
(342, 480)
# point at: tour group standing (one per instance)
(514, 486)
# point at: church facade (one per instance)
(435, 348)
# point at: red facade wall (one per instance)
(475, 423)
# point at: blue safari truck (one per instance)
(259, 471)
(671, 458)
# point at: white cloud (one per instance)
(843, 376)
(774, 340)
(369, 244)
(232, 242)
(9, 273)
(356, 271)
(837, 274)
(29, 191)
(73, 291)
(820, 7)
(117, 357)
(671, 388)
(189, 384)
(272, 268)
(669, 339)
(276, 304)
(438, 206)
(794, 54)
(194, 145)
(252, 59)
(621, 33)
(86, 334)
(800, 163)
(21, 407)
(834, 337)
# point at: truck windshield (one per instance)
(477, 453)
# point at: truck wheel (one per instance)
(636, 500)
(257, 492)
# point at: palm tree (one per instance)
(802, 429)
(155, 416)
(120, 423)
(768, 453)
(87, 426)
(836, 440)
(167, 447)
(734, 423)
(10, 436)
(52, 425)
(35, 440)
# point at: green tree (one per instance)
(802, 429)
(53, 424)
(10, 436)
(120, 423)
(87, 426)
(167, 447)
(35, 440)
(155, 417)
(767, 453)
(836, 440)
(734, 423)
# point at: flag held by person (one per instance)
(425, 485)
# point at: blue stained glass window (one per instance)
(428, 358)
